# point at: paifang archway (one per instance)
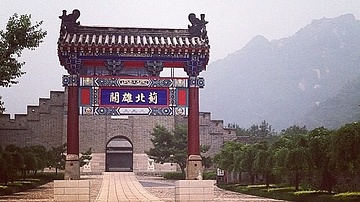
(119, 155)
(116, 71)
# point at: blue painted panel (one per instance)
(130, 97)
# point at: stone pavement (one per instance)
(123, 186)
(165, 189)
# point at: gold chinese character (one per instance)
(127, 97)
(140, 97)
(115, 97)
(153, 98)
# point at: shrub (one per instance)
(309, 192)
(348, 196)
(174, 176)
(5, 190)
(211, 175)
(282, 189)
(29, 183)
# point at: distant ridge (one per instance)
(281, 80)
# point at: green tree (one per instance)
(5, 166)
(167, 148)
(2, 108)
(85, 157)
(294, 130)
(3, 170)
(41, 157)
(263, 165)
(262, 130)
(346, 154)
(30, 162)
(170, 146)
(57, 157)
(290, 155)
(18, 35)
(9, 173)
(248, 158)
(297, 158)
(321, 165)
(207, 161)
(18, 162)
(238, 130)
(295, 163)
(226, 158)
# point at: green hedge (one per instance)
(28, 183)
(348, 196)
(288, 193)
(209, 175)
(174, 176)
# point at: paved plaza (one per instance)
(121, 186)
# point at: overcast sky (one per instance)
(232, 23)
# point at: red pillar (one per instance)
(193, 122)
(73, 121)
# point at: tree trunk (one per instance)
(252, 178)
(327, 181)
(182, 168)
(297, 180)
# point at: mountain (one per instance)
(281, 80)
(336, 111)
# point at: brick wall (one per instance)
(45, 124)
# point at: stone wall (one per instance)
(97, 131)
(45, 124)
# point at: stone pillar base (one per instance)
(194, 190)
(72, 167)
(194, 168)
(72, 190)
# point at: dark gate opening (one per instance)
(119, 155)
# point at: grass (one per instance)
(28, 183)
(288, 193)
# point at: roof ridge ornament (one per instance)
(198, 26)
(68, 22)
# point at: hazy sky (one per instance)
(232, 23)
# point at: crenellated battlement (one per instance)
(18, 123)
(33, 112)
(42, 124)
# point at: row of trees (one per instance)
(264, 130)
(318, 159)
(16, 162)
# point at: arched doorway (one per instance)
(119, 155)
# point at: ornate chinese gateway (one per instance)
(116, 71)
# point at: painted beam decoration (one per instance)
(114, 96)
(117, 69)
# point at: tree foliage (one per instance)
(320, 159)
(18, 35)
(58, 157)
(85, 157)
(16, 162)
(262, 130)
(172, 146)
